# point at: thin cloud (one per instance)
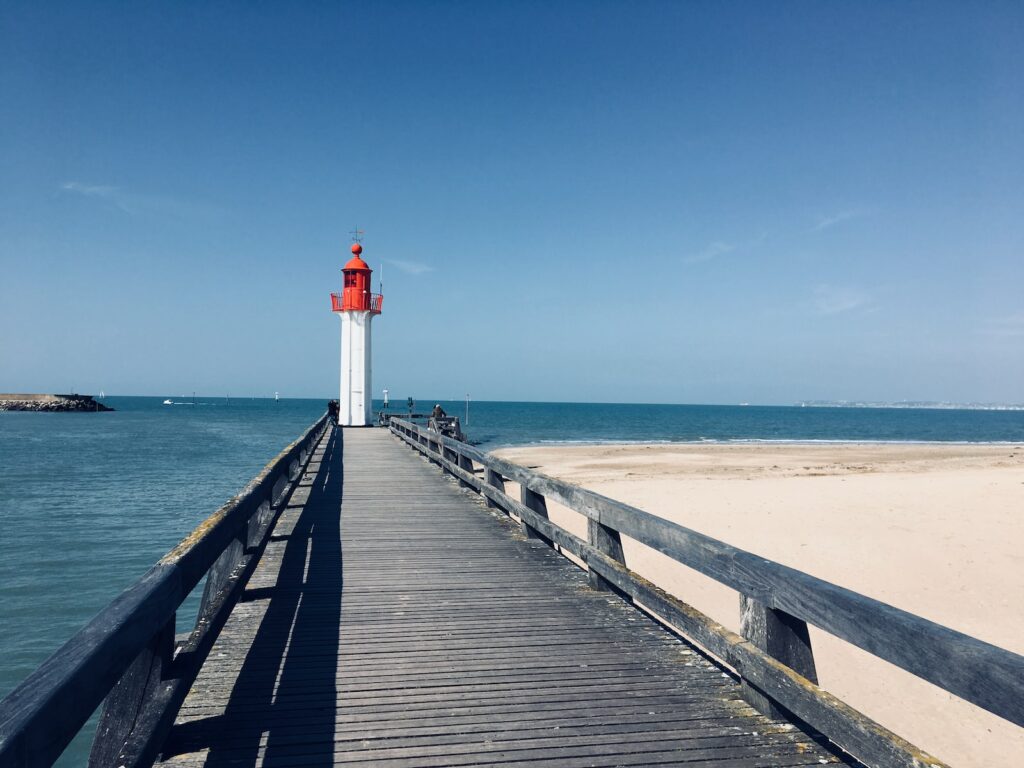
(1007, 327)
(100, 191)
(134, 203)
(837, 218)
(410, 267)
(721, 248)
(835, 300)
(712, 251)
(91, 190)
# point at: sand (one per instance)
(934, 529)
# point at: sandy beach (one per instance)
(933, 529)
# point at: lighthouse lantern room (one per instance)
(357, 306)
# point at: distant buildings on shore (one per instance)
(911, 404)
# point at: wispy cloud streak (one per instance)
(1007, 327)
(712, 251)
(721, 248)
(838, 218)
(410, 267)
(134, 203)
(835, 300)
(99, 191)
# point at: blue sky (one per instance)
(639, 202)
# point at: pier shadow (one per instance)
(283, 703)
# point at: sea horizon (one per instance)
(506, 423)
(806, 403)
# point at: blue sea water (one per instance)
(498, 424)
(88, 502)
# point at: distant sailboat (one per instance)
(277, 396)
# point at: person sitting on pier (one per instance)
(438, 412)
(333, 410)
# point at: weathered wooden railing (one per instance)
(773, 656)
(129, 649)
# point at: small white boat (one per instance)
(168, 402)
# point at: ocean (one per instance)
(88, 502)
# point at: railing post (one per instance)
(125, 705)
(221, 570)
(537, 503)
(465, 463)
(280, 486)
(494, 480)
(257, 525)
(781, 636)
(607, 541)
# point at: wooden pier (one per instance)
(451, 640)
(374, 597)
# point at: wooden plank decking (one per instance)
(450, 641)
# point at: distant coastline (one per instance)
(929, 404)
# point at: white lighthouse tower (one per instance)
(357, 307)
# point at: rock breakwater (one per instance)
(51, 403)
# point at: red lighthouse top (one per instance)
(356, 296)
(356, 261)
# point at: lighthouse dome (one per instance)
(356, 262)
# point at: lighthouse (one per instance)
(357, 306)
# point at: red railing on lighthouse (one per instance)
(376, 303)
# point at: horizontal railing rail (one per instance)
(376, 302)
(127, 656)
(773, 657)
